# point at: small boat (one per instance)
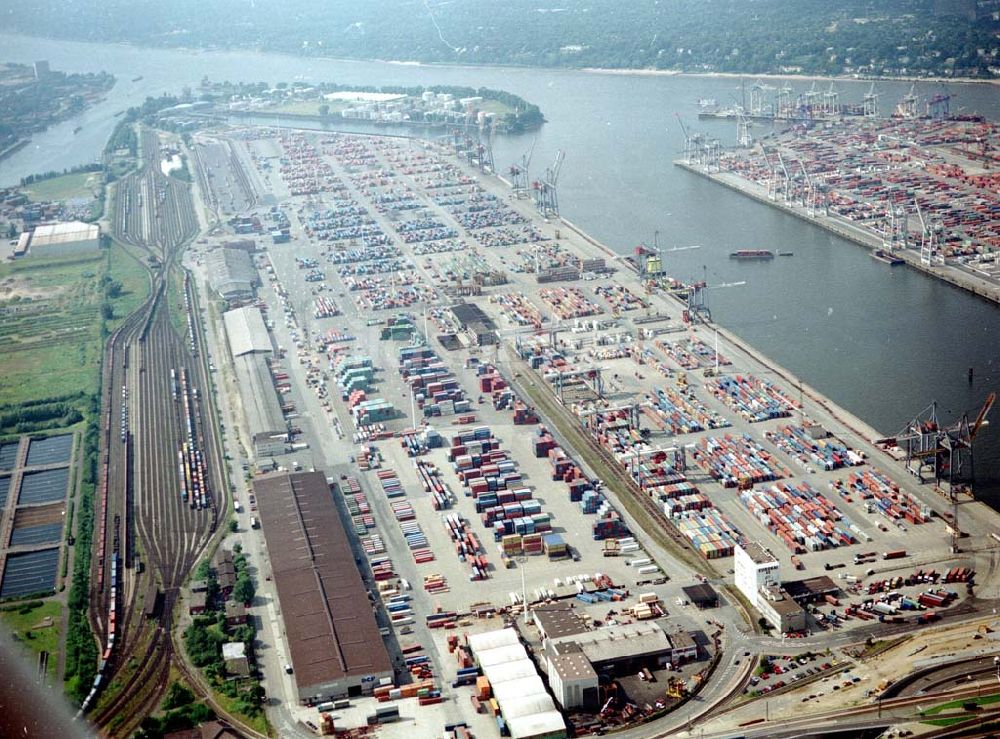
(119, 113)
(78, 129)
(136, 79)
(884, 256)
(752, 254)
(786, 254)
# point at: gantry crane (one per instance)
(929, 253)
(944, 453)
(870, 105)
(694, 143)
(519, 172)
(546, 198)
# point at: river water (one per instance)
(881, 342)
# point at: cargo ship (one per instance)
(884, 256)
(752, 254)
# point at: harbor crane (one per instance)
(939, 105)
(589, 376)
(519, 172)
(946, 454)
(481, 151)
(677, 452)
(744, 138)
(632, 418)
(894, 234)
(870, 103)
(546, 198)
(694, 143)
(758, 99)
(649, 260)
(831, 101)
(785, 107)
(930, 255)
(907, 107)
(697, 299)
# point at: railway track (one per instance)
(143, 509)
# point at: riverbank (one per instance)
(803, 77)
(13, 148)
(850, 231)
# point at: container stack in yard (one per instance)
(682, 413)
(825, 453)
(467, 546)
(737, 461)
(435, 389)
(709, 531)
(884, 496)
(754, 399)
(430, 478)
(802, 518)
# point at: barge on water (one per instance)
(888, 257)
(752, 254)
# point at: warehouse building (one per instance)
(623, 649)
(250, 347)
(246, 331)
(526, 708)
(558, 620)
(780, 610)
(335, 646)
(479, 327)
(65, 239)
(702, 595)
(232, 274)
(573, 679)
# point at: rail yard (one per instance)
(512, 419)
(153, 519)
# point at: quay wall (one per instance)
(851, 232)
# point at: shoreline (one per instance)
(632, 71)
(846, 230)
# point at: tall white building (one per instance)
(755, 568)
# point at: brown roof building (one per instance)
(334, 640)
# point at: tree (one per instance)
(324, 110)
(234, 525)
(243, 591)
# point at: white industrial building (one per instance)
(64, 239)
(758, 576)
(526, 707)
(754, 568)
(572, 677)
(250, 347)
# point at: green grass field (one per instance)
(134, 278)
(35, 640)
(984, 700)
(50, 319)
(65, 187)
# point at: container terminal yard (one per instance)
(572, 501)
(917, 187)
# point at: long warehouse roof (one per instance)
(246, 331)
(257, 393)
(331, 628)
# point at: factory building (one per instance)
(64, 239)
(335, 646)
(526, 708)
(250, 347)
(232, 274)
(755, 568)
